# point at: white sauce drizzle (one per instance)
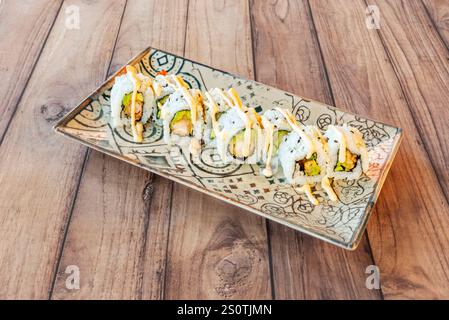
(137, 128)
(325, 184)
(193, 104)
(235, 98)
(194, 146)
(157, 88)
(179, 82)
(238, 106)
(225, 97)
(269, 127)
(213, 112)
(308, 191)
(342, 146)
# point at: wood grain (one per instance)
(421, 62)
(22, 41)
(44, 168)
(119, 228)
(303, 267)
(439, 12)
(215, 249)
(412, 202)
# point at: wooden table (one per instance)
(134, 235)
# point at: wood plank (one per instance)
(303, 267)
(439, 12)
(363, 81)
(421, 62)
(215, 249)
(22, 42)
(119, 228)
(43, 168)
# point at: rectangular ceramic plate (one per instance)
(341, 223)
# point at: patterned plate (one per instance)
(341, 223)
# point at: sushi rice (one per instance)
(239, 133)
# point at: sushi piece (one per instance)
(240, 133)
(132, 101)
(347, 152)
(216, 102)
(183, 118)
(164, 85)
(276, 127)
(303, 156)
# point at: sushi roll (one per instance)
(164, 85)
(303, 156)
(132, 101)
(298, 151)
(183, 118)
(216, 102)
(240, 133)
(347, 152)
(276, 127)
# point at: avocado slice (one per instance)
(310, 166)
(160, 103)
(126, 102)
(181, 123)
(237, 142)
(349, 164)
(278, 139)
